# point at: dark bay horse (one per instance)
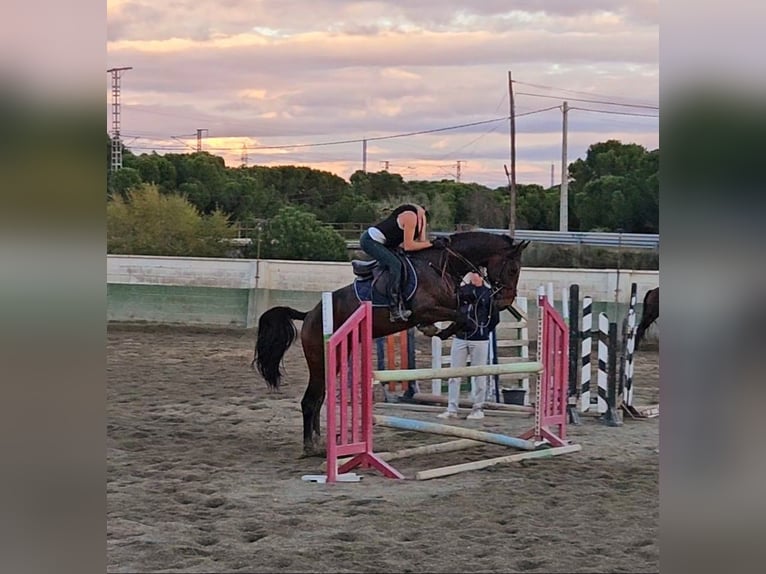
(439, 271)
(649, 314)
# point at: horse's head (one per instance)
(503, 270)
(470, 250)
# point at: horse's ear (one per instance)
(522, 246)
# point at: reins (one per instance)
(496, 286)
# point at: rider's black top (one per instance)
(390, 228)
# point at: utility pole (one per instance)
(458, 174)
(364, 156)
(116, 162)
(512, 183)
(385, 165)
(244, 155)
(552, 180)
(564, 204)
(199, 138)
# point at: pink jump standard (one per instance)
(551, 392)
(348, 365)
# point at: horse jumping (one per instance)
(650, 313)
(439, 271)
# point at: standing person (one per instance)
(404, 227)
(482, 316)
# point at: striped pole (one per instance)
(603, 357)
(630, 348)
(585, 351)
(574, 320)
(611, 416)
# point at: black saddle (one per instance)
(363, 268)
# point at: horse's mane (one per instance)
(476, 245)
(482, 236)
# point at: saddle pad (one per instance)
(364, 290)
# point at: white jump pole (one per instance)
(462, 432)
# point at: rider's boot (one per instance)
(396, 307)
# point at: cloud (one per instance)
(145, 19)
(293, 71)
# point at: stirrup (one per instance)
(398, 313)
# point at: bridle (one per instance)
(496, 286)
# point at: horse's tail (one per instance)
(276, 332)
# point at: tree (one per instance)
(615, 187)
(122, 181)
(294, 233)
(149, 223)
(537, 208)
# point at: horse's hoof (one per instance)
(312, 453)
(429, 330)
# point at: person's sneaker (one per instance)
(447, 415)
(475, 415)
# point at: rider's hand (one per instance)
(441, 242)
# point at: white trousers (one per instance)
(479, 353)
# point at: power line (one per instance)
(591, 94)
(178, 138)
(376, 138)
(616, 112)
(350, 141)
(521, 115)
(591, 101)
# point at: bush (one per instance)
(149, 223)
(297, 234)
(589, 257)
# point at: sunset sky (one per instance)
(290, 72)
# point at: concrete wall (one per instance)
(234, 292)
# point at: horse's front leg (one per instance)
(430, 330)
(445, 334)
(433, 315)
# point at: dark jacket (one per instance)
(477, 307)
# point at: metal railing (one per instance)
(351, 231)
(600, 239)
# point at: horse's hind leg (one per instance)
(318, 417)
(313, 399)
(311, 405)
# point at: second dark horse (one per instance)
(650, 313)
(439, 272)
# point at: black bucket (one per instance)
(513, 396)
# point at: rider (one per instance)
(404, 227)
(481, 316)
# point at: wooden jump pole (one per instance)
(476, 465)
(435, 428)
(468, 403)
(425, 408)
(414, 374)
